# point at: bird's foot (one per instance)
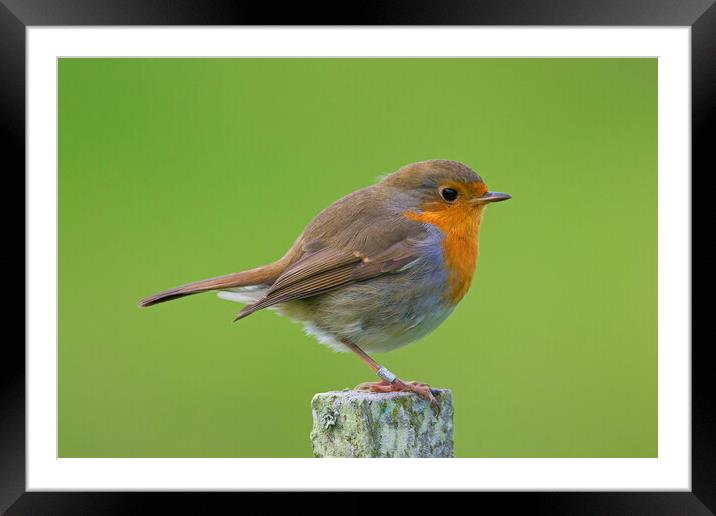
(397, 385)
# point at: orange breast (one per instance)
(460, 225)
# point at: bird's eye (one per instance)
(449, 194)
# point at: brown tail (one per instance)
(260, 275)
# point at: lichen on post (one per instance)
(397, 424)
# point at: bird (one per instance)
(378, 269)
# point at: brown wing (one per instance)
(325, 268)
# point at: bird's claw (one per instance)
(421, 389)
(424, 390)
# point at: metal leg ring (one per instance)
(386, 375)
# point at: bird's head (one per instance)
(443, 190)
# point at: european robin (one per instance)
(377, 269)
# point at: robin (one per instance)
(377, 269)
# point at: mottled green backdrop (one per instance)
(175, 170)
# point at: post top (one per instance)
(354, 395)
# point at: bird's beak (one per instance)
(491, 197)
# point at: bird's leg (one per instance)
(389, 382)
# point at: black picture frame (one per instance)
(16, 15)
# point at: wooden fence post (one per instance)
(363, 424)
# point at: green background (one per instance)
(176, 170)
